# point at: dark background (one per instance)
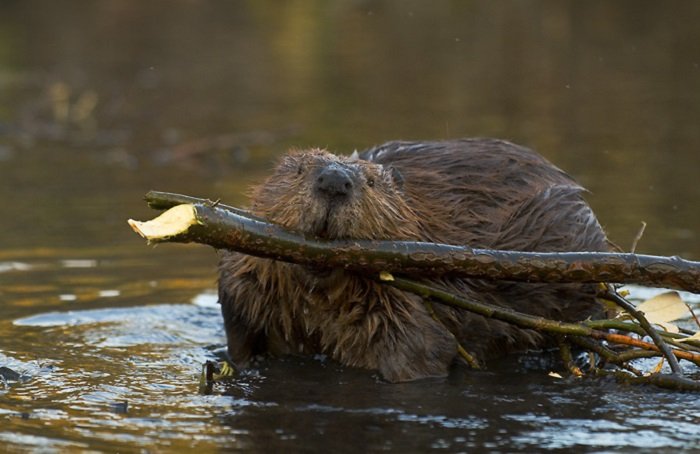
(100, 101)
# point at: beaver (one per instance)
(483, 193)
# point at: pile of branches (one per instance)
(613, 344)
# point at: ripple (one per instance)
(79, 263)
(14, 266)
(39, 441)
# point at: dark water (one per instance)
(102, 101)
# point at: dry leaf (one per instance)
(694, 337)
(386, 276)
(663, 308)
(668, 327)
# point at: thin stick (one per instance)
(607, 354)
(468, 357)
(159, 200)
(567, 358)
(635, 328)
(526, 320)
(638, 237)
(692, 312)
(644, 323)
(668, 381)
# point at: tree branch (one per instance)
(224, 228)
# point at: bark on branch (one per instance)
(224, 227)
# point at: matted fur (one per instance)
(477, 192)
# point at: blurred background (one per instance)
(102, 101)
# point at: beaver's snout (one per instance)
(334, 182)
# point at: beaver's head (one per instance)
(336, 197)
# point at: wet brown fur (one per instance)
(479, 192)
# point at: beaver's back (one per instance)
(492, 193)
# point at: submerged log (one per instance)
(225, 227)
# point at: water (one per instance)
(100, 102)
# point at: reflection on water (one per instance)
(112, 375)
(129, 379)
(102, 338)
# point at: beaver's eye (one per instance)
(300, 169)
(370, 182)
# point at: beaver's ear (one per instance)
(395, 176)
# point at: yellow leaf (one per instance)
(665, 307)
(668, 327)
(386, 276)
(694, 337)
(554, 375)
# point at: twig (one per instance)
(621, 325)
(610, 356)
(468, 357)
(526, 320)
(638, 237)
(567, 358)
(644, 323)
(669, 381)
(633, 354)
(625, 340)
(693, 314)
(159, 200)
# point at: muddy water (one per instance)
(103, 337)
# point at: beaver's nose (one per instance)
(334, 181)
